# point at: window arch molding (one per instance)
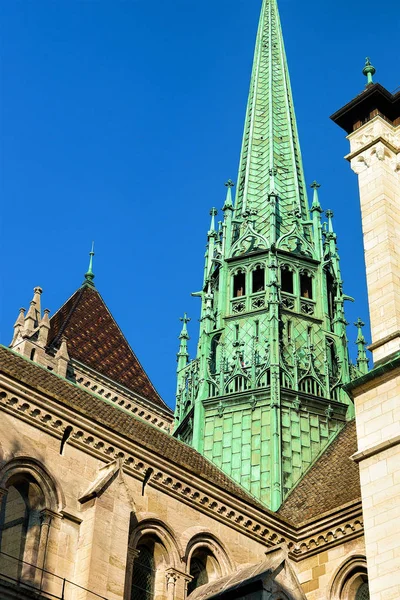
(209, 542)
(348, 578)
(157, 529)
(53, 497)
(156, 535)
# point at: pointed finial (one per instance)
(359, 324)
(184, 333)
(362, 359)
(329, 214)
(369, 71)
(213, 213)
(21, 318)
(315, 204)
(89, 275)
(228, 201)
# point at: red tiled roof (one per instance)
(332, 481)
(95, 339)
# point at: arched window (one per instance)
(152, 550)
(258, 280)
(198, 570)
(144, 573)
(203, 568)
(239, 284)
(214, 353)
(306, 288)
(287, 280)
(20, 525)
(351, 580)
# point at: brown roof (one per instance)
(95, 339)
(113, 418)
(373, 97)
(331, 482)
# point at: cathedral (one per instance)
(277, 476)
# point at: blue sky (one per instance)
(121, 121)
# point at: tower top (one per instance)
(89, 275)
(270, 160)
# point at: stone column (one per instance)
(375, 158)
(177, 582)
(132, 556)
(47, 553)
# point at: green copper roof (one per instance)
(270, 159)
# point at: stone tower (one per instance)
(264, 395)
(372, 122)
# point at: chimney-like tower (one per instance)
(372, 122)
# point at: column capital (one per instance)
(174, 574)
(133, 553)
(48, 515)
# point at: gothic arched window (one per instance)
(144, 574)
(287, 280)
(239, 284)
(258, 280)
(306, 287)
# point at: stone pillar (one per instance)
(132, 556)
(375, 158)
(47, 558)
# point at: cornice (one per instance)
(377, 140)
(264, 526)
(377, 449)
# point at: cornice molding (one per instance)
(267, 528)
(377, 449)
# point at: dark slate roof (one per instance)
(332, 481)
(127, 426)
(95, 339)
(373, 97)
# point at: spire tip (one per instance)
(369, 71)
(89, 275)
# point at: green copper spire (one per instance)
(89, 275)
(270, 160)
(265, 395)
(369, 71)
